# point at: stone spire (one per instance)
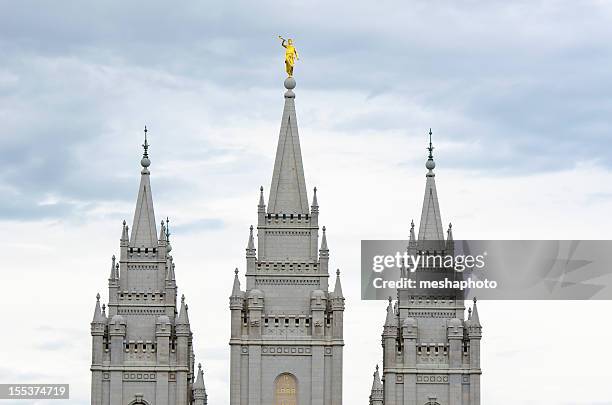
(376, 384)
(183, 318)
(162, 231)
(261, 198)
(144, 232)
(377, 393)
(251, 243)
(338, 287)
(236, 292)
(113, 274)
(324, 247)
(315, 203)
(125, 232)
(475, 319)
(431, 222)
(288, 189)
(98, 318)
(390, 320)
(199, 389)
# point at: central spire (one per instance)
(431, 221)
(288, 190)
(144, 230)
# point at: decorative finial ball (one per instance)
(430, 164)
(145, 162)
(290, 83)
(168, 247)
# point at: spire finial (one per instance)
(236, 271)
(145, 161)
(183, 298)
(145, 145)
(199, 366)
(338, 272)
(430, 161)
(98, 297)
(262, 204)
(167, 228)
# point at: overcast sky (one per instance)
(519, 96)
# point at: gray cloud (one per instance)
(526, 84)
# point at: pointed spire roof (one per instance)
(124, 231)
(261, 197)
(431, 222)
(315, 202)
(251, 244)
(288, 189)
(236, 292)
(475, 319)
(170, 275)
(377, 384)
(144, 232)
(98, 311)
(338, 286)
(390, 321)
(183, 318)
(112, 272)
(199, 383)
(162, 231)
(324, 240)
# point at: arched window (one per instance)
(285, 390)
(139, 401)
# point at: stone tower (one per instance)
(287, 328)
(431, 352)
(142, 352)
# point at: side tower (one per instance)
(142, 353)
(287, 328)
(431, 352)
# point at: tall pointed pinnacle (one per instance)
(431, 222)
(144, 232)
(183, 318)
(112, 272)
(251, 244)
(338, 287)
(377, 383)
(98, 318)
(315, 203)
(236, 292)
(261, 198)
(324, 247)
(125, 232)
(288, 189)
(162, 231)
(199, 390)
(199, 383)
(390, 321)
(475, 319)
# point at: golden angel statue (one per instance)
(291, 55)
